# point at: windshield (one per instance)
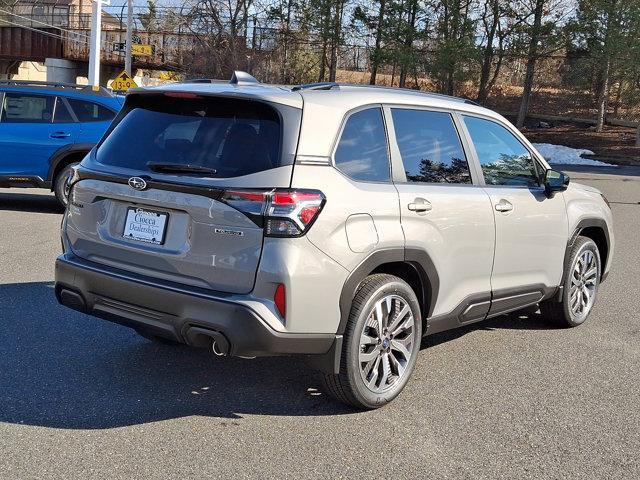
(203, 136)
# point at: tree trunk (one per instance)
(616, 107)
(323, 62)
(449, 86)
(487, 60)
(408, 42)
(602, 96)
(496, 72)
(532, 57)
(605, 74)
(326, 28)
(286, 78)
(335, 40)
(450, 70)
(375, 61)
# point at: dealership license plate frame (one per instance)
(131, 235)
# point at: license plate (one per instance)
(145, 225)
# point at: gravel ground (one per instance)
(512, 397)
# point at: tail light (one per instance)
(281, 212)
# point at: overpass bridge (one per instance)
(64, 48)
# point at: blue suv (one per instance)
(46, 128)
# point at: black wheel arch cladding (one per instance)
(416, 261)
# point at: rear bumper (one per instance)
(193, 317)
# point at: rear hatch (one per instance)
(171, 190)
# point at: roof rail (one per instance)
(57, 85)
(242, 78)
(201, 80)
(413, 90)
(316, 86)
(337, 86)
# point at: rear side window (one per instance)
(27, 108)
(62, 113)
(90, 112)
(228, 137)
(430, 147)
(362, 153)
(503, 158)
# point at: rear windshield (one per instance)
(222, 137)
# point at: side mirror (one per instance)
(555, 181)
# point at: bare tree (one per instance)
(220, 28)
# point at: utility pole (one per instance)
(94, 46)
(127, 55)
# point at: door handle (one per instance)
(60, 135)
(420, 205)
(504, 206)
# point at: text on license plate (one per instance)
(145, 225)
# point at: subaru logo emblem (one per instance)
(137, 183)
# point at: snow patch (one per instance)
(559, 154)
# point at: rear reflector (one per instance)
(280, 300)
(282, 212)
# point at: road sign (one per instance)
(141, 50)
(136, 49)
(123, 82)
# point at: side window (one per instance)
(26, 108)
(362, 152)
(504, 160)
(430, 147)
(62, 114)
(90, 112)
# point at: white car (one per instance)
(334, 221)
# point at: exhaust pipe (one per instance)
(203, 337)
(216, 349)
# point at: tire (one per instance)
(581, 281)
(157, 339)
(360, 362)
(60, 188)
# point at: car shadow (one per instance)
(527, 319)
(63, 369)
(30, 202)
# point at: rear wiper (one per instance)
(180, 168)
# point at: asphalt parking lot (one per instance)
(512, 397)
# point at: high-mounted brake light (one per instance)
(181, 95)
(282, 212)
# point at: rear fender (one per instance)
(419, 259)
(59, 158)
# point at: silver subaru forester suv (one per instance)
(343, 223)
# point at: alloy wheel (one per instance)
(386, 343)
(584, 280)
